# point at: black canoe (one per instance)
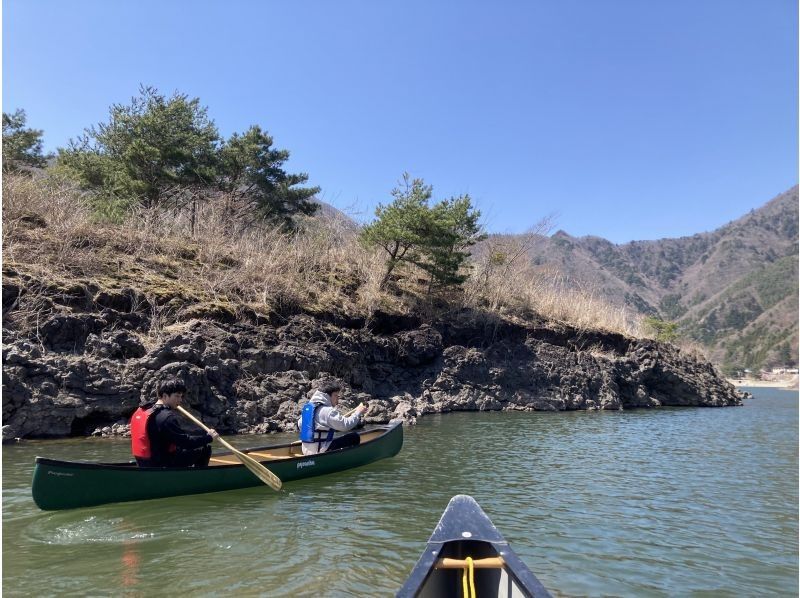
(465, 534)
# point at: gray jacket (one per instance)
(327, 418)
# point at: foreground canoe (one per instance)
(70, 484)
(467, 556)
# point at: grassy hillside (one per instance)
(182, 264)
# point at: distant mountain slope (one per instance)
(735, 289)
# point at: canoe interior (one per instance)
(279, 452)
(493, 581)
(465, 531)
(263, 454)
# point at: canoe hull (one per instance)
(68, 485)
(466, 531)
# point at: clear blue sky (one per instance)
(629, 119)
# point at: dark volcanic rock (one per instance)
(69, 332)
(87, 372)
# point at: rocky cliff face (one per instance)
(86, 372)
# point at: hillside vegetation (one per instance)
(153, 211)
(184, 263)
(733, 290)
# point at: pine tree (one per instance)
(150, 151)
(401, 227)
(21, 146)
(251, 170)
(163, 151)
(455, 229)
(434, 239)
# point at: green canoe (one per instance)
(72, 484)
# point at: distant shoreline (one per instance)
(790, 384)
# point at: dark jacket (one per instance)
(164, 430)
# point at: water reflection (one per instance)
(131, 563)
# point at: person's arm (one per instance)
(332, 418)
(173, 431)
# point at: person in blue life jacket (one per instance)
(157, 439)
(320, 419)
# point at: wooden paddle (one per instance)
(353, 410)
(258, 470)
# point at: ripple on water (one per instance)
(65, 529)
(664, 502)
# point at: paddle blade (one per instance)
(258, 470)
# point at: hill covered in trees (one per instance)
(733, 290)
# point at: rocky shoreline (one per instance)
(85, 373)
(788, 383)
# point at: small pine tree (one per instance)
(401, 227)
(455, 228)
(149, 151)
(664, 331)
(250, 169)
(435, 239)
(21, 146)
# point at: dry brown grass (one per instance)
(208, 253)
(505, 281)
(692, 348)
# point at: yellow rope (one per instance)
(469, 572)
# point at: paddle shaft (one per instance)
(206, 428)
(352, 411)
(258, 470)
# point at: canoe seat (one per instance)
(270, 456)
(496, 562)
(225, 460)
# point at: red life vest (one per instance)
(140, 441)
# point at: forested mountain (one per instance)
(734, 290)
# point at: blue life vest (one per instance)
(307, 427)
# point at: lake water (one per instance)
(668, 502)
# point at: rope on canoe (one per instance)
(469, 574)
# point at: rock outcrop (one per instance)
(85, 373)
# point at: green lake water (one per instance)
(667, 502)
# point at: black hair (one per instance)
(170, 385)
(329, 387)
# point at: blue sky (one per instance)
(628, 119)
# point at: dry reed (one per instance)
(506, 281)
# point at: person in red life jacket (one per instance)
(157, 439)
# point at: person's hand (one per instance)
(360, 410)
(213, 433)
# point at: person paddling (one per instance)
(320, 418)
(157, 439)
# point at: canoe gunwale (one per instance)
(462, 515)
(130, 465)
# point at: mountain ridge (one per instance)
(725, 288)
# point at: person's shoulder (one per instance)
(164, 413)
(328, 410)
